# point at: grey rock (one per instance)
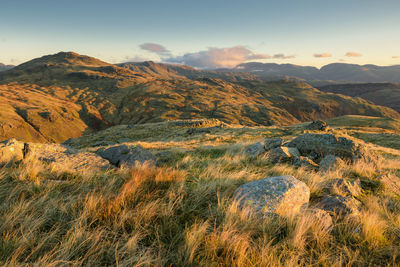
(304, 162)
(339, 205)
(271, 143)
(344, 187)
(280, 195)
(319, 145)
(254, 150)
(317, 125)
(11, 151)
(330, 162)
(283, 154)
(126, 155)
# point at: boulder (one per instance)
(340, 205)
(254, 150)
(126, 155)
(11, 151)
(319, 145)
(283, 153)
(344, 187)
(317, 125)
(330, 162)
(304, 162)
(271, 143)
(63, 158)
(282, 195)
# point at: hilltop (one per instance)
(4, 67)
(335, 72)
(88, 94)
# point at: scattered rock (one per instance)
(317, 125)
(344, 188)
(271, 143)
(318, 145)
(283, 153)
(280, 195)
(11, 151)
(254, 150)
(321, 217)
(126, 155)
(304, 162)
(340, 205)
(330, 162)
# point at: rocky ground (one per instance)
(204, 192)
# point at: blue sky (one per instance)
(204, 33)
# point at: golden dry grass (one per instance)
(181, 213)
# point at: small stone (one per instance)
(126, 155)
(254, 150)
(330, 162)
(283, 153)
(304, 162)
(271, 143)
(317, 125)
(338, 205)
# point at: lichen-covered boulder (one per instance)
(11, 151)
(283, 153)
(271, 143)
(282, 195)
(319, 145)
(330, 162)
(254, 150)
(339, 205)
(125, 154)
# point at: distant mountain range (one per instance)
(336, 72)
(5, 67)
(65, 95)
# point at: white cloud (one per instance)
(217, 57)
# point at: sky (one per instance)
(204, 34)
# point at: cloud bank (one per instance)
(353, 54)
(217, 57)
(322, 55)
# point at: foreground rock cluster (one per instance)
(312, 150)
(64, 157)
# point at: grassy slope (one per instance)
(106, 94)
(181, 212)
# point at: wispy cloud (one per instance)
(395, 57)
(322, 55)
(217, 57)
(283, 56)
(155, 48)
(353, 54)
(135, 59)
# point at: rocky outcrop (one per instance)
(126, 154)
(304, 162)
(280, 195)
(319, 145)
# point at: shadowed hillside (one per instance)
(385, 94)
(102, 94)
